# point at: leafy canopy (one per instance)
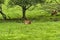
(2, 1)
(25, 2)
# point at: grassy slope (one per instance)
(34, 31)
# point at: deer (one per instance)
(54, 12)
(27, 21)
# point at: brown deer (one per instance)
(54, 12)
(26, 21)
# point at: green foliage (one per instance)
(51, 5)
(25, 2)
(2, 1)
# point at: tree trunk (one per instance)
(3, 15)
(24, 12)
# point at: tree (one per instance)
(2, 2)
(25, 4)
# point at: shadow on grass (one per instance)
(39, 18)
(18, 20)
(44, 18)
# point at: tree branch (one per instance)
(28, 7)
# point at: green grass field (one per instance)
(34, 31)
(42, 27)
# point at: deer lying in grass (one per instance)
(26, 21)
(54, 12)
